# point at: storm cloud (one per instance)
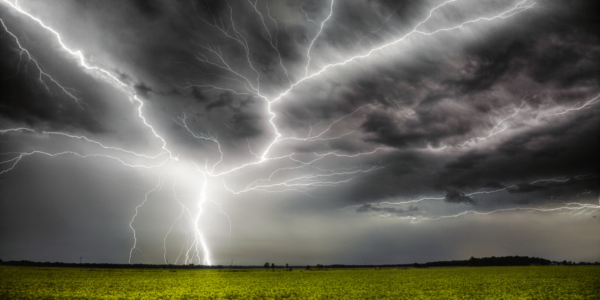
(271, 125)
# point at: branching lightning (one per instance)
(214, 174)
(82, 63)
(316, 37)
(572, 208)
(496, 129)
(577, 107)
(43, 74)
(157, 187)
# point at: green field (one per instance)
(556, 282)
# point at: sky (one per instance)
(300, 132)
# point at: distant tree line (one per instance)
(489, 262)
(316, 268)
(499, 261)
(266, 266)
(472, 262)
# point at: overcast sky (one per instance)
(299, 131)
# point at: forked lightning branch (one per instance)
(211, 175)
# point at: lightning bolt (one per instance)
(169, 232)
(519, 7)
(39, 68)
(273, 45)
(380, 27)
(195, 248)
(577, 107)
(307, 17)
(15, 160)
(301, 182)
(574, 208)
(495, 130)
(58, 133)
(561, 179)
(112, 79)
(82, 63)
(157, 187)
(318, 136)
(316, 37)
(198, 244)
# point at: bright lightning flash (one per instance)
(213, 175)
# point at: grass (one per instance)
(556, 282)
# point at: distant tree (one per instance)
(273, 266)
(307, 267)
(266, 265)
(286, 265)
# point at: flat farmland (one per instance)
(554, 282)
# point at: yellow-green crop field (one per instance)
(556, 282)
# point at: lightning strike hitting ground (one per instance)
(214, 174)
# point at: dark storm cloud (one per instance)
(423, 129)
(150, 8)
(454, 196)
(463, 99)
(555, 183)
(444, 100)
(493, 185)
(31, 98)
(243, 121)
(539, 46)
(27, 102)
(245, 125)
(524, 188)
(225, 99)
(565, 147)
(436, 118)
(155, 46)
(368, 207)
(495, 170)
(198, 95)
(466, 162)
(430, 98)
(146, 91)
